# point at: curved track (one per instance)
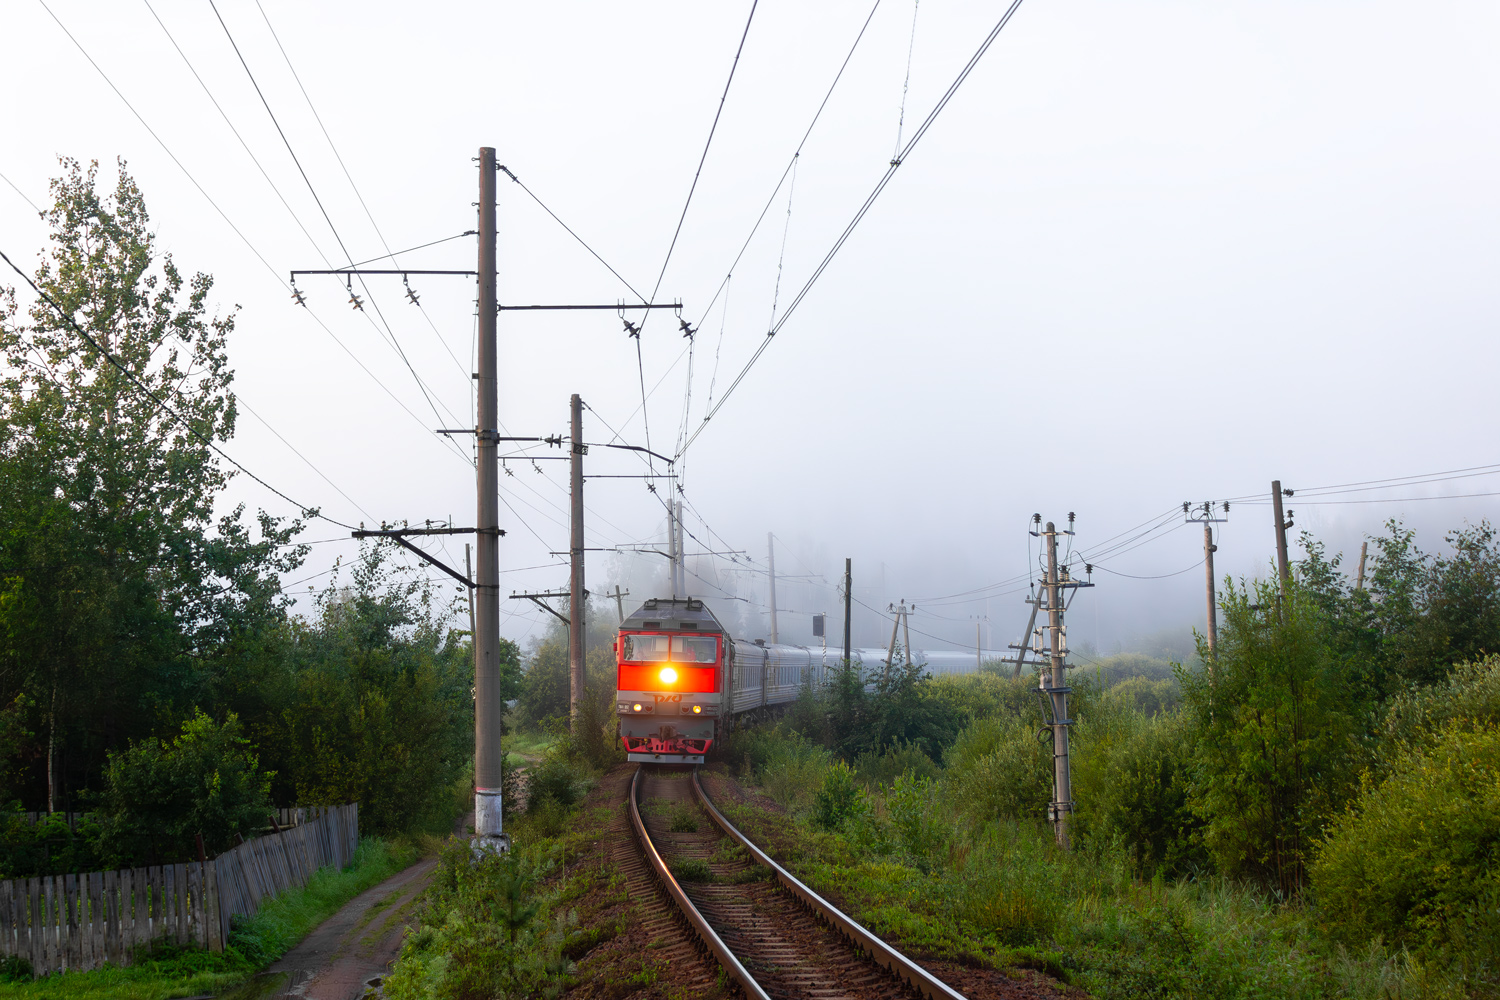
(772, 934)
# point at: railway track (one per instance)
(770, 933)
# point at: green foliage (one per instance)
(1273, 735)
(1000, 769)
(839, 800)
(793, 770)
(122, 595)
(882, 768)
(371, 703)
(486, 930)
(1132, 776)
(1416, 858)
(52, 846)
(160, 796)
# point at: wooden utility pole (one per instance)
(1056, 687)
(1209, 548)
(848, 606)
(1054, 683)
(1364, 547)
(619, 596)
(1282, 564)
(577, 599)
(488, 828)
(771, 568)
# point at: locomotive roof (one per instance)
(673, 613)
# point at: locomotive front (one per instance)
(671, 656)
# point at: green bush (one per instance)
(1416, 859)
(793, 771)
(840, 799)
(874, 769)
(999, 769)
(159, 796)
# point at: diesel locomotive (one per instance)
(682, 678)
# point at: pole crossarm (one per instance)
(356, 271)
(540, 600)
(398, 535)
(618, 306)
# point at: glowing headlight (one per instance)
(636, 707)
(668, 675)
(697, 709)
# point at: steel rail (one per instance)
(695, 919)
(877, 950)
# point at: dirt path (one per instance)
(349, 954)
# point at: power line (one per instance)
(645, 413)
(161, 404)
(361, 198)
(592, 252)
(395, 343)
(222, 214)
(838, 244)
(20, 192)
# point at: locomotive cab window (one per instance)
(647, 648)
(695, 649)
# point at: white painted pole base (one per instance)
(488, 836)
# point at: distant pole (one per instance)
(848, 606)
(890, 656)
(1364, 547)
(469, 572)
(1282, 564)
(682, 587)
(906, 628)
(978, 648)
(619, 597)
(488, 758)
(672, 544)
(1062, 799)
(1209, 548)
(771, 565)
(577, 634)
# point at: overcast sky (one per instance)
(1149, 253)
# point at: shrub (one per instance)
(840, 799)
(159, 796)
(1416, 859)
(558, 780)
(875, 769)
(793, 771)
(998, 769)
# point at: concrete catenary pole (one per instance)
(1062, 799)
(488, 829)
(1364, 548)
(1282, 565)
(672, 546)
(1209, 548)
(848, 607)
(771, 570)
(577, 602)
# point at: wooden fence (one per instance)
(79, 922)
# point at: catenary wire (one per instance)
(858, 216)
(222, 214)
(391, 333)
(160, 403)
(20, 192)
(682, 218)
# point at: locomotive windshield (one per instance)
(643, 647)
(695, 649)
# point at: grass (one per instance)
(170, 972)
(1000, 895)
